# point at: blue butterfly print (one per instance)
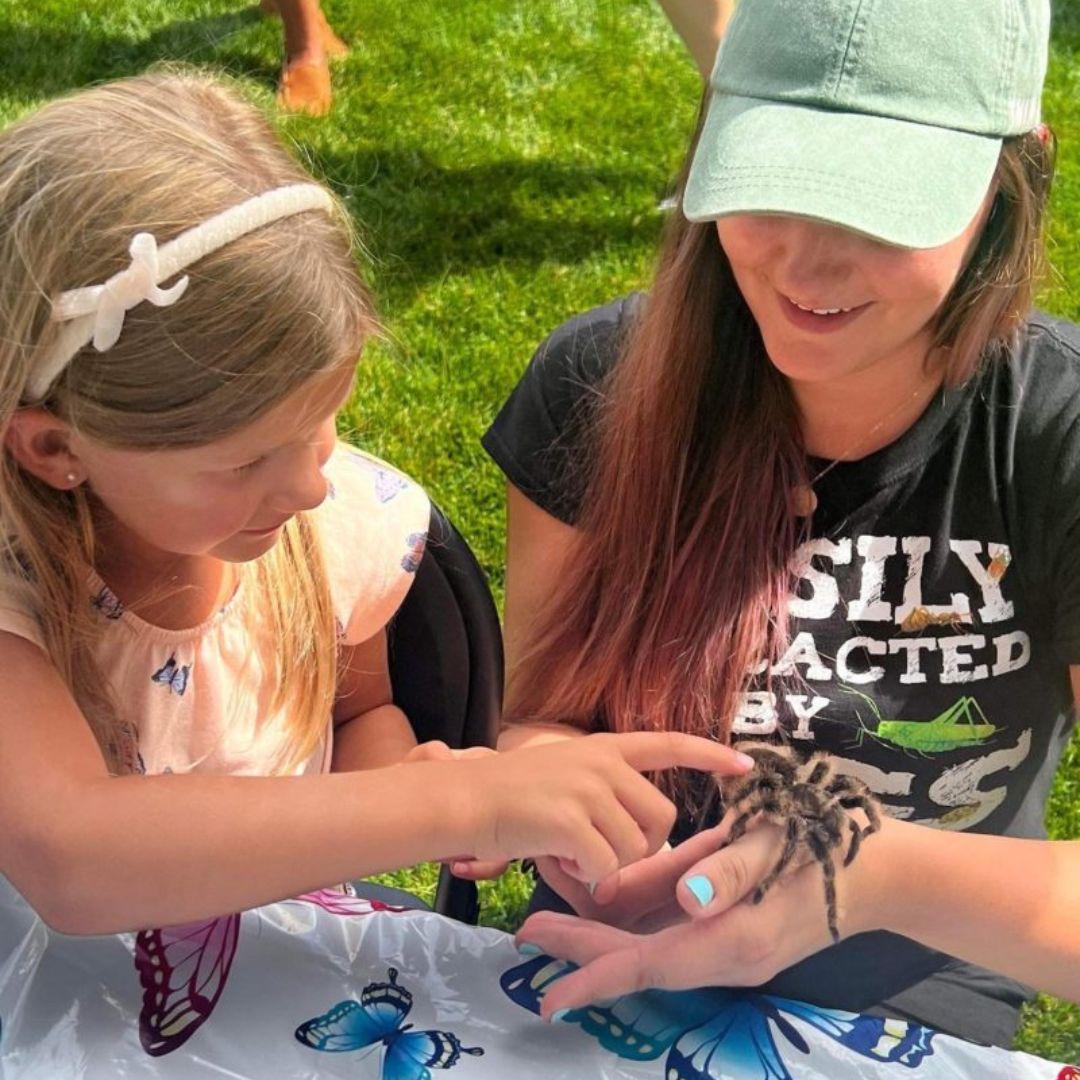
(172, 675)
(716, 1033)
(377, 1018)
(410, 561)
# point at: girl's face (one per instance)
(227, 499)
(831, 303)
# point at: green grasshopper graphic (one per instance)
(961, 724)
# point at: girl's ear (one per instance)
(41, 444)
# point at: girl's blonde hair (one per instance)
(161, 153)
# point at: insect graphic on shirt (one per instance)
(920, 618)
(962, 724)
(999, 564)
(417, 542)
(172, 675)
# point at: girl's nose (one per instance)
(307, 487)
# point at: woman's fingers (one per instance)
(571, 938)
(722, 879)
(744, 946)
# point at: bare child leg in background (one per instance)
(310, 43)
(700, 23)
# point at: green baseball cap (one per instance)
(883, 116)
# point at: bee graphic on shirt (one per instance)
(920, 618)
(172, 675)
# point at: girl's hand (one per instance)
(584, 801)
(436, 750)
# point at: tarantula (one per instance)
(810, 801)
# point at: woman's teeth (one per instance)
(820, 311)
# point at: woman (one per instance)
(821, 488)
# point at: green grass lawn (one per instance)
(504, 159)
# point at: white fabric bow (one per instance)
(130, 287)
(96, 313)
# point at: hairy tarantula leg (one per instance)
(824, 856)
(791, 846)
(738, 827)
(857, 835)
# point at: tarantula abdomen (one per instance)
(811, 803)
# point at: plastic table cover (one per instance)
(331, 986)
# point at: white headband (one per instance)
(96, 313)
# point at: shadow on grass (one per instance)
(1066, 26)
(44, 62)
(423, 219)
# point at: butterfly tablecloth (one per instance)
(331, 986)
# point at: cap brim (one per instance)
(907, 184)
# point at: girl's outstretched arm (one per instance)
(99, 854)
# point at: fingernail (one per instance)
(559, 1014)
(527, 948)
(457, 867)
(701, 887)
(745, 760)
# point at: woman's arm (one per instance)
(1009, 905)
(537, 545)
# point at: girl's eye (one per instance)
(248, 465)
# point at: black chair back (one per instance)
(446, 665)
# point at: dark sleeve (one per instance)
(1048, 471)
(541, 438)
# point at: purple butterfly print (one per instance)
(388, 485)
(107, 603)
(183, 969)
(340, 903)
(417, 542)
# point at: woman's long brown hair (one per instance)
(677, 583)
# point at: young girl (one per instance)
(196, 576)
(822, 487)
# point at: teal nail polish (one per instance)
(527, 948)
(559, 1014)
(701, 887)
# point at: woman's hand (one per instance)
(639, 897)
(583, 801)
(728, 941)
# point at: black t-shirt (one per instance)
(935, 619)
